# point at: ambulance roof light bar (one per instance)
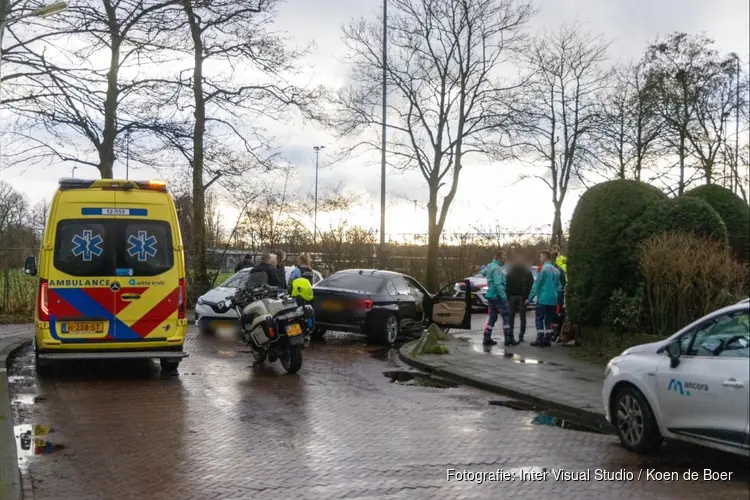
(152, 185)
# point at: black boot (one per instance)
(488, 341)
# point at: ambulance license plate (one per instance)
(82, 328)
(294, 329)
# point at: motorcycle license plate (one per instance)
(294, 329)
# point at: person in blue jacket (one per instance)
(545, 289)
(498, 301)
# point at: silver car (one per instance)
(209, 320)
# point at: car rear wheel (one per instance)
(634, 421)
(386, 331)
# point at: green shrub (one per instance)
(733, 211)
(687, 215)
(624, 314)
(686, 277)
(597, 252)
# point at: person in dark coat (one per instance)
(268, 266)
(244, 263)
(280, 269)
(520, 280)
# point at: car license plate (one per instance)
(331, 305)
(82, 328)
(294, 329)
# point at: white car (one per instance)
(208, 320)
(693, 386)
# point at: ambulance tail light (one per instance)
(181, 299)
(43, 305)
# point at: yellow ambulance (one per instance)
(111, 274)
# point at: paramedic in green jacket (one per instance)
(546, 289)
(497, 300)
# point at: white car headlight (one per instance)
(200, 301)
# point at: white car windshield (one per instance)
(236, 281)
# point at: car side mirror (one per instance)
(29, 268)
(674, 351)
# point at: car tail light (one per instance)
(365, 304)
(43, 301)
(181, 299)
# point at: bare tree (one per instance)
(628, 125)
(681, 69)
(562, 105)
(238, 76)
(714, 112)
(68, 99)
(446, 100)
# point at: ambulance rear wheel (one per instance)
(41, 366)
(170, 365)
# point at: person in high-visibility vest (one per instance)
(561, 260)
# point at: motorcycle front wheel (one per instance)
(292, 360)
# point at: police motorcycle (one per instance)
(273, 325)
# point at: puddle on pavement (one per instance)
(418, 379)
(547, 418)
(34, 440)
(389, 355)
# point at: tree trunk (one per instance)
(557, 224)
(681, 185)
(433, 245)
(200, 271)
(109, 134)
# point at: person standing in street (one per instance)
(560, 261)
(520, 280)
(267, 266)
(560, 311)
(280, 268)
(498, 302)
(303, 269)
(546, 289)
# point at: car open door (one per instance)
(449, 311)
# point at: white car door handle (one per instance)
(732, 383)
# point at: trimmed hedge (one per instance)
(733, 211)
(686, 215)
(599, 259)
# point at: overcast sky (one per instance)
(488, 193)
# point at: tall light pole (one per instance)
(382, 149)
(73, 172)
(127, 156)
(315, 216)
(44, 11)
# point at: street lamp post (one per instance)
(44, 11)
(382, 152)
(73, 172)
(127, 156)
(315, 215)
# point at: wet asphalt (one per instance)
(354, 423)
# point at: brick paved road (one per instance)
(338, 430)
